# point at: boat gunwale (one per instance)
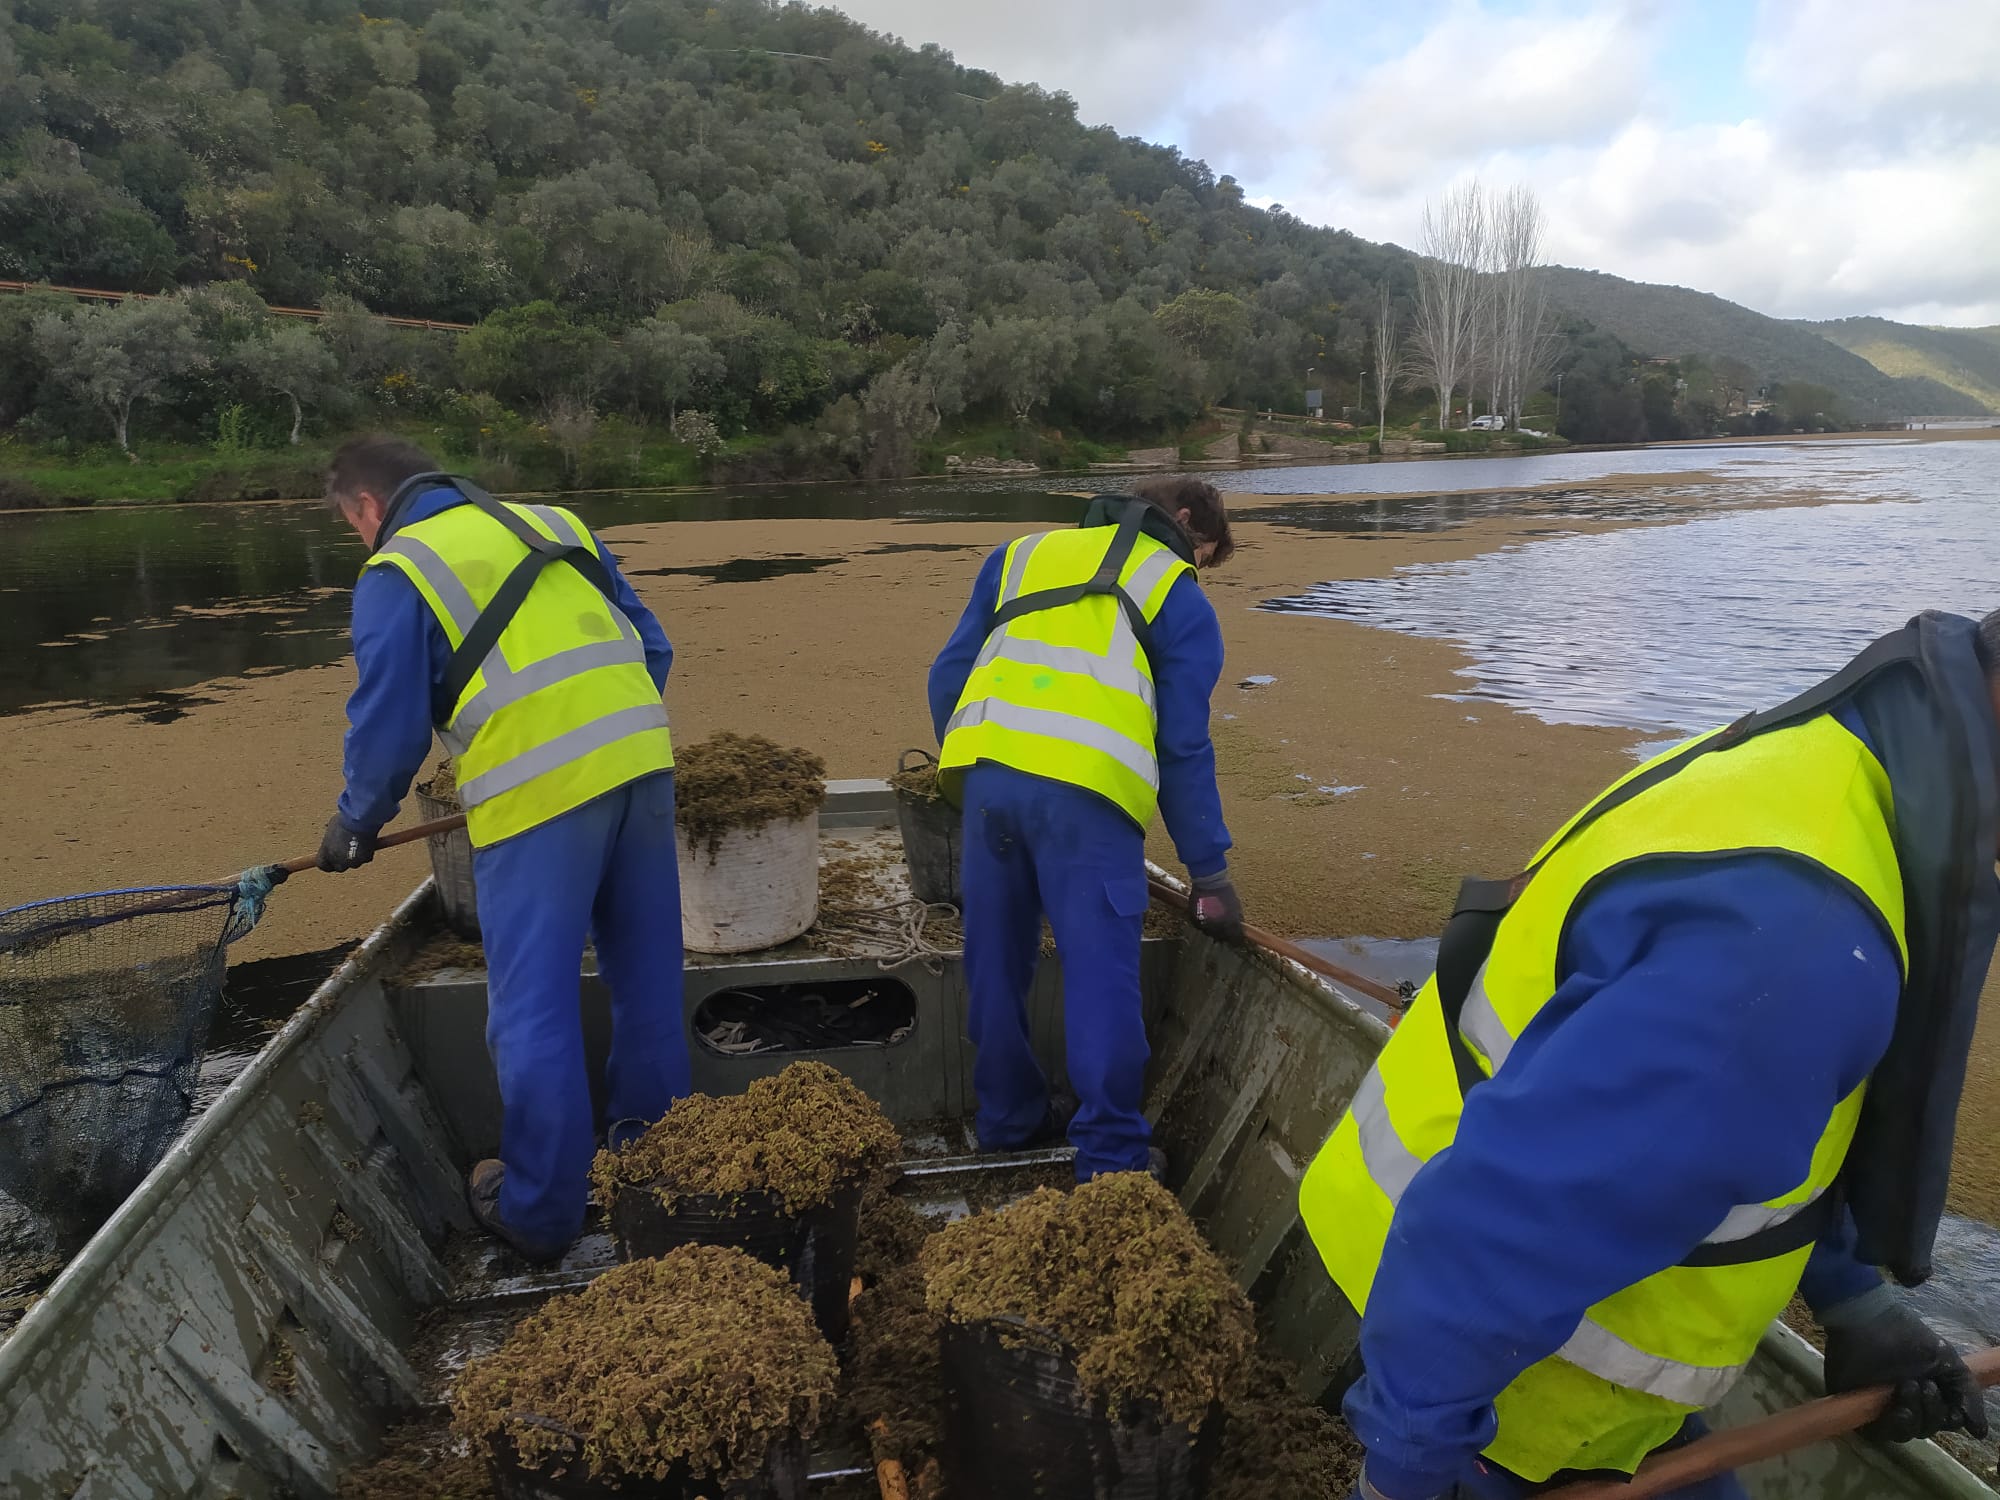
(1793, 1360)
(139, 1213)
(1296, 974)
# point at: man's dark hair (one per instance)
(1207, 520)
(376, 464)
(1987, 644)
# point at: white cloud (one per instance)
(1478, 79)
(1864, 176)
(1133, 64)
(1727, 209)
(1840, 82)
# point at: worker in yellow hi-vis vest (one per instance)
(509, 630)
(1073, 697)
(1704, 1053)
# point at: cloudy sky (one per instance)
(1810, 158)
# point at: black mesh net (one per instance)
(105, 1005)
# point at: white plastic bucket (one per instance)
(760, 889)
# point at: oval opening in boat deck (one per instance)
(757, 1020)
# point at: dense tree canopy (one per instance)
(807, 202)
(721, 217)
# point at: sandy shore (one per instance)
(834, 659)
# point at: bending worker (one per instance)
(510, 630)
(1704, 1053)
(1071, 698)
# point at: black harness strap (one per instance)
(1814, 700)
(1467, 939)
(1462, 947)
(392, 513)
(513, 592)
(1103, 581)
(1806, 1227)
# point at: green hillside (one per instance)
(1965, 359)
(744, 239)
(768, 214)
(1671, 320)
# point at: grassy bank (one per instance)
(614, 456)
(617, 454)
(1490, 442)
(32, 480)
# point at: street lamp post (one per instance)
(1559, 401)
(1359, 381)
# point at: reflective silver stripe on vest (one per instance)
(1480, 1024)
(502, 690)
(565, 530)
(573, 744)
(1133, 756)
(1753, 1218)
(1116, 672)
(1596, 1349)
(1146, 577)
(1017, 567)
(444, 583)
(495, 669)
(1390, 1163)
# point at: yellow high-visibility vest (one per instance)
(1062, 688)
(561, 710)
(1642, 1359)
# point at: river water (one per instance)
(124, 609)
(1677, 628)
(121, 609)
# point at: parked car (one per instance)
(1488, 423)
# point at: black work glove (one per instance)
(344, 848)
(1217, 909)
(1875, 1339)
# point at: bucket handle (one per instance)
(903, 760)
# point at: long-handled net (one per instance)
(106, 1002)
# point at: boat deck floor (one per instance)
(943, 1175)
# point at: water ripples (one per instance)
(1676, 628)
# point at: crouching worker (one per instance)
(510, 631)
(1071, 699)
(1705, 1052)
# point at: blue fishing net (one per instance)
(106, 1002)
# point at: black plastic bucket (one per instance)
(931, 831)
(1020, 1426)
(816, 1249)
(782, 1477)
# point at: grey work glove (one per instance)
(1216, 908)
(344, 848)
(1875, 1339)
